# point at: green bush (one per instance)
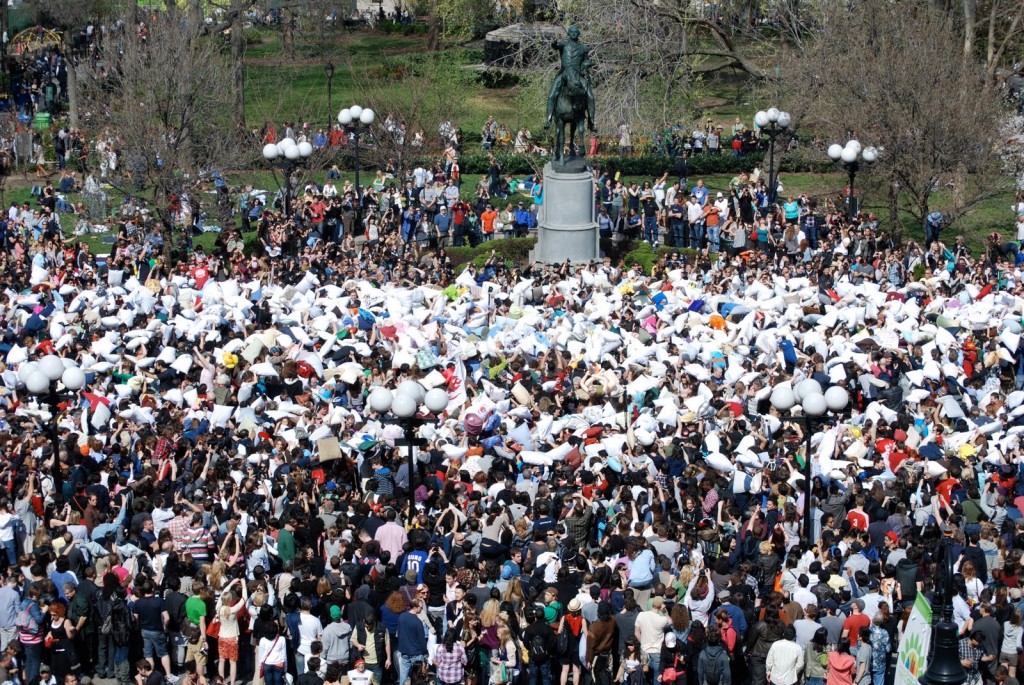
(646, 165)
(513, 251)
(252, 246)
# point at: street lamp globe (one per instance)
(380, 399)
(782, 397)
(773, 114)
(436, 400)
(761, 119)
(849, 155)
(37, 383)
(51, 366)
(785, 119)
(837, 398)
(854, 145)
(413, 389)
(869, 154)
(73, 378)
(835, 152)
(344, 117)
(814, 404)
(291, 152)
(367, 117)
(271, 152)
(404, 406)
(806, 387)
(305, 149)
(26, 370)
(355, 111)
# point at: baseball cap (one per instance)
(657, 603)
(831, 605)
(335, 612)
(410, 576)
(893, 536)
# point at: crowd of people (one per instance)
(610, 494)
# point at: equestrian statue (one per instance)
(571, 100)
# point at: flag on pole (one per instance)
(912, 657)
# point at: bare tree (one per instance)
(992, 31)
(163, 96)
(893, 75)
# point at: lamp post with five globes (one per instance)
(41, 379)
(288, 155)
(851, 156)
(772, 123)
(815, 404)
(404, 406)
(356, 121)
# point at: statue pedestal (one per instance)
(567, 227)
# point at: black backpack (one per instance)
(713, 669)
(538, 650)
(120, 622)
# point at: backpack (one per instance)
(713, 669)
(101, 613)
(25, 622)
(120, 622)
(538, 650)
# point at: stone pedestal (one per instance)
(566, 226)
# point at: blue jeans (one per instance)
(12, 553)
(714, 238)
(812, 236)
(651, 229)
(814, 681)
(405, 664)
(696, 234)
(33, 655)
(273, 675)
(654, 661)
(678, 233)
(878, 677)
(539, 674)
(376, 669)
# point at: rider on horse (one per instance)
(573, 73)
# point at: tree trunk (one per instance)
(288, 31)
(895, 222)
(970, 26)
(73, 93)
(238, 71)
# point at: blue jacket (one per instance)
(523, 216)
(412, 636)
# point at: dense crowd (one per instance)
(610, 494)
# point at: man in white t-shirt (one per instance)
(359, 675)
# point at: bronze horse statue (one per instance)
(570, 109)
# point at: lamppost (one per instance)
(41, 380)
(356, 121)
(329, 71)
(404, 405)
(944, 667)
(815, 404)
(772, 123)
(288, 155)
(851, 156)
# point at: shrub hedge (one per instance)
(645, 165)
(513, 250)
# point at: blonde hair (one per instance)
(216, 574)
(489, 614)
